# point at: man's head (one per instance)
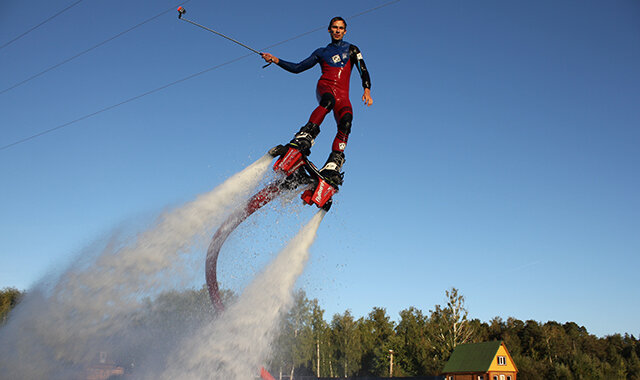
(337, 28)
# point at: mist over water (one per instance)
(100, 302)
(238, 343)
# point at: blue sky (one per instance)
(500, 155)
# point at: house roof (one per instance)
(472, 357)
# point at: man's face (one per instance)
(337, 30)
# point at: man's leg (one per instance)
(333, 166)
(326, 102)
(303, 140)
(344, 129)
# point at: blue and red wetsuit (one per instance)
(336, 61)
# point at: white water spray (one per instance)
(235, 346)
(95, 304)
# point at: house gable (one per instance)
(503, 365)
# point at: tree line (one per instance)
(420, 342)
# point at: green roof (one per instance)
(472, 357)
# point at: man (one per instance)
(336, 61)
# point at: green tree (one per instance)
(511, 335)
(378, 338)
(561, 372)
(450, 325)
(584, 366)
(615, 366)
(321, 363)
(480, 331)
(347, 344)
(415, 349)
(529, 368)
(633, 366)
(558, 343)
(533, 341)
(295, 343)
(495, 329)
(9, 298)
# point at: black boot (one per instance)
(304, 139)
(331, 170)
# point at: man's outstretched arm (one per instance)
(290, 66)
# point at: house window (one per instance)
(502, 360)
(509, 377)
(480, 377)
(495, 377)
(501, 377)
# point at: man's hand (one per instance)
(269, 58)
(366, 97)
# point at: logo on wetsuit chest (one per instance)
(337, 58)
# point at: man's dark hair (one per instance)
(337, 18)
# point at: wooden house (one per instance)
(480, 361)
(103, 369)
